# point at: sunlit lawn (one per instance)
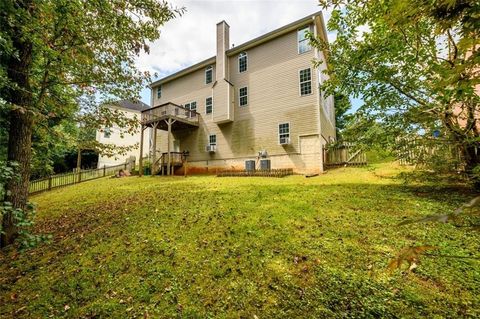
(208, 247)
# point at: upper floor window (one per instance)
(303, 42)
(208, 105)
(305, 82)
(107, 132)
(284, 133)
(243, 96)
(208, 75)
(242, 62)
(159, 91)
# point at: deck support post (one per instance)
(154, 148)
(140, 160)
(185, 167)
(169, 124)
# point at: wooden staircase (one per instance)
(160, 166)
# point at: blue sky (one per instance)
(190, 38)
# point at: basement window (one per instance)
(284, 133)
(305, 78)
(243, 96)
(212, 140)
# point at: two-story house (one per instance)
(118, 137)
(257, 99)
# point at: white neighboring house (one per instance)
(112, 135)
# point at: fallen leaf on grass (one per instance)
(409, 255)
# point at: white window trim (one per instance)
(241, 54)
(300, 86)
(212, 144)
(208, 68)
(159, 89)
(289, 131)
(239, 96)
(298, 42)
(208, 97)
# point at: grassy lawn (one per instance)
(207, 247)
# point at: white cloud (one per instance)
(190, 38)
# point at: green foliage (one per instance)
(23, 217)
(207, 247)
(342, 106)
(414, 64)
(65, 58)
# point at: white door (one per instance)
(310, 151)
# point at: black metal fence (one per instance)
(60, 180)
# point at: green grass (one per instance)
(207, 247)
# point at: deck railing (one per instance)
(169, 110)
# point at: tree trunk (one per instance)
(19, 98)
(19, 150)
(472, 160)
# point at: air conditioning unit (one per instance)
(265, 165)
(211, 148)
(284, 140)
(250, 165)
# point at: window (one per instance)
(208, 75)
(208, 105)
(212, 140)
(284, 133)
(159, 92)
(192, 106)
(305, 82)
(243, 96)
(242, 62)
(303, 42)
(107, 132)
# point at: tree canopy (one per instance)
(59, 57)
(415, 64)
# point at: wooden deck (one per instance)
(158, 117)
(169, 117)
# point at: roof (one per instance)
(131, 105)
(272, 34)
(190, 69)
(249, 44)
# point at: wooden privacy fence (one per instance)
(60, 180)
(427, 151)
(282, 172)
(343, 154)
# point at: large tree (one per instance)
(414, 63)
(52, 52)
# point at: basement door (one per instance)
(310, 151)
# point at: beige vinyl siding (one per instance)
(274, 97)
(189, 86)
